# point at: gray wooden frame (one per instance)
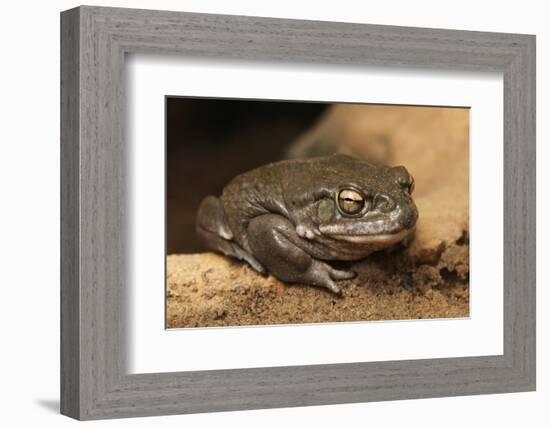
(94, 41)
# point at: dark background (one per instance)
(209, 141)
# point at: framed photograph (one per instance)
(262, 213)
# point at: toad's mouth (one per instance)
(367, 232)
(386, 239)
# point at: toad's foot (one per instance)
(322, 274)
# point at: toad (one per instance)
(290, 218)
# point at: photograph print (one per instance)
(282, 212)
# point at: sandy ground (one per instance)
(428, 279)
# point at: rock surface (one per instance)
(428, 279)
(210, 290)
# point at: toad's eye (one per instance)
(351, 201)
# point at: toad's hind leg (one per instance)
(276, 244)
(212, 228)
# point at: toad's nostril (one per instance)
(408, 219)
(383, 202)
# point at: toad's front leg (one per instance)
(274, 242)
